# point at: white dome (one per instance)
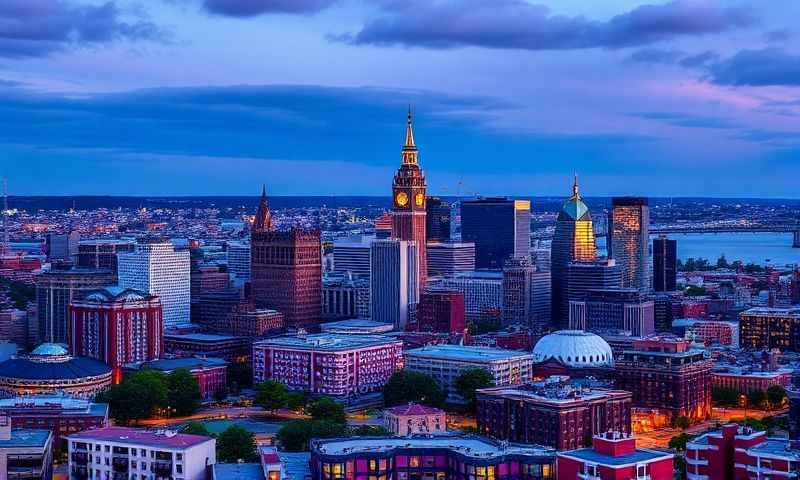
(574, 348)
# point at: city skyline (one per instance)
(184, 97)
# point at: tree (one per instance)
(294, 436)
(775, 396)
(756, 398)
(325, 408)
(695, 291)
(470, 380)
(406, 386)
(724, 396)
(681, 422)
(183, 392)
(240, 375)
(296, 401)
(221, 393)
(195, 428)
(680, 466)
(678, 442)
(722, 262)
(139, 396)
(271, 395)
(236, 444)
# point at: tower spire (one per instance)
(409, 147)
(575, 189)
(263, 220)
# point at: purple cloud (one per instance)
(769, 66)
(517, 24)
(36, 28)
(252, 8)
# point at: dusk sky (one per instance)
(183, 97)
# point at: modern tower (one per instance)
(573, 241)
(437, 220)
(665, 264)
(629, 239)
(409, 204)
(499, 227)
(394, 281)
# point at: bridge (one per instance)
(793, 228)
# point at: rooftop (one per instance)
(200, 337)
(169, 364)
(555, 391)
(639, 455)
(135, 436)
(326, 341)
(357, 323)
(466, 353)
(413, 409)
(238, 471)
(471, 446)
(779, 447)
(63, 402)
(24, 437)
(791, 311)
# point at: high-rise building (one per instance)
(629, 239)
(526, 295)
(351, 254)
(665, 264)
(573, 241)
(394, 281)
(483, 292)
(286, 270)
(117, 326)
(601, 274)
(437, 218)
(158, 268)
(625, 311)
(441, 311)
(55, 290)
(541, 302)
(102, 253)
(409, 204)
(239, 262)
(62, 246)
(449, 258)
(499, 227)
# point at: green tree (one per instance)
(406, 386)
(724, 396)
(271, 395)
(137, 397)
(296, 401)
(756, 398)
(195, 428)
(183, 392)
(470, 380)
(236, 444)
(295, 436)
(240, 375)
(776, 396)
(680, 467)
(325, 408)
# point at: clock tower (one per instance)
(408, 201)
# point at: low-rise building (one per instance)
(210, 372)
(232, 349)
(119, 452)
(414, 418)
(446, 362)
(766, 328)
(356, 326)
(746, 379)
(25, 453)
(614, 456)
(707, 332)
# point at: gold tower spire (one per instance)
(409, 147)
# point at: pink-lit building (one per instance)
(211, 373)
(747, 379)
(708, 331)
(614, 456)
(414, 418)
(740, 453)
(328, 364)
(117, 326)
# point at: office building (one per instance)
(394, 282)
(614, 456)
(573, 241)
(117, 326)
(50, 369)
(210, 372)
(437, 220)
(115, 452)
(683, 388)
(500, 228)
(158, 268)
(450, 258)
(581, 277)
(351, 254)
(208, 278)
(665, 264)
(14, 326)
(238, 254)
(483, 292)
(625, 311)
(59, 413)
(102, 253)
(25, 453)
(409, 204)
(768, 328)
(446, 362)
(414, 419)
(707, 332)
(557, 412)
(749, 378)
(441, 311)
(328, 364)
(435, 457)
(345, 296)
(55, 290)
(629, 240)
(231, 348)
(526, 295)
(62, 246)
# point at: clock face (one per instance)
(420, 199)
(402, 199)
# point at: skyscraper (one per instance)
(625, 311)
(239, 262)
(517, 291)
(665, 264)
(408, 207)
(573, 241)
(437, 220)
(449, 258)
(499, 227)
(601, 274)
(629, 238)
(351, 254)
(394, 281)
(158, 268)
(286, 270)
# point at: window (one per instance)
(641, 470)
(590, 469)
(413, 462)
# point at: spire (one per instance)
(263, 220)
(409, 148)
(575, 189)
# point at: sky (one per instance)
(509, 97)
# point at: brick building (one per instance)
(59, 413)
(441, 311)
(558, 412)
(614, 456)
(765, 328)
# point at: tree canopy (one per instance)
(325, 408)
(271, 395)
(775, 396)
(406, 386)
(294, 436)
(183, 392)
(195, 428)
(470, 380)
(235, 444)
(137, 397)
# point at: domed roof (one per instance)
(72, 368)
(574, 348)
(50, 349)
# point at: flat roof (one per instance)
(238, 471)
(471, 446)
(24, 437)
(296, 466)
(69, 405)
(771, 311)
(357, 323)
(201, 337)
(466, 353)
(776, 447)
(168, 364)
(326, 341)
(136, 436)
(555, 396)
(639, 455)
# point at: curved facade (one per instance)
(574, 348)
(50, 369)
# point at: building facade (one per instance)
(441, 311)
(411, 419)
(499, 227)
(238, 254)
(25, 453)
(623, 310)
(629, 239)
(665, 264)
(394, 283)
(158, 268)
(351, 254)
(102, 253)
(437, 220)
(210, 373)
(483, 292)
(768, 328)
(614, 456)
(450, 258)
(345, 296)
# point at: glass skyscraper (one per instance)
(499, 227)
(629, 239)
(665, 264)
